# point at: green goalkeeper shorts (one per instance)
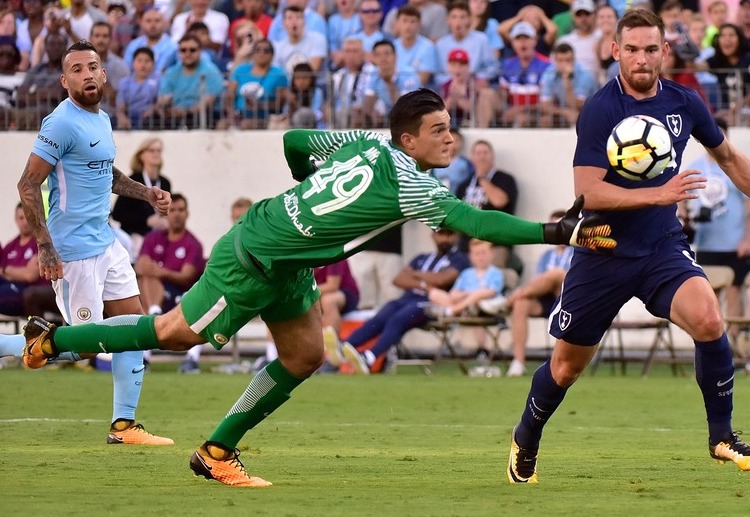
(233, 290)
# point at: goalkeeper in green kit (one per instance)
(365, 185)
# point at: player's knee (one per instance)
(708, 327)
(566, 373)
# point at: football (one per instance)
(640, 148)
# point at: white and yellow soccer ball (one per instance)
(640, 148)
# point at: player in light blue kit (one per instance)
(652, 260)
(90, 270)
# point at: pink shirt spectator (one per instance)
(340, 269)
(16, 254)
(173, 255)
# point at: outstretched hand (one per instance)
(573, 230)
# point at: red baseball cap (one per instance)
(460, 55)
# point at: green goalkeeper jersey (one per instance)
(364, 186)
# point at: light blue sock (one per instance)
(127, 376)
(12, 345)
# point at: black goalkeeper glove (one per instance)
(302, 176)
(586, 232)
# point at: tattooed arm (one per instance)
(30, 190)
(124, 186)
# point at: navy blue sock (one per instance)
(714, 371)
(545, 396)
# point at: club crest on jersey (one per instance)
(84, 314)
(674, 123)
(564, 319)
(221, 339)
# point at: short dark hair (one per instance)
(144, 50)
(197, 26)
(409, 10)
(406, 115)
(460, 5)
(80, 46)
(179, 197)
(101, 24)
(294, 9)
(639, 18)
(562, 48)
(190, 37)
(384, 43)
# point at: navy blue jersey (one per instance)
(638, 232)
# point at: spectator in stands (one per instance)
(676, 69)
(299, 45)
(28, 29)
(117, 70)
(544, 27)
(348, 85)
(313, 21)
(79, 19)
(584, 38)
(304, 99)
(343, 23)
(200, 31)
(8, 33)
(414, 51)
(426, 271)
(482, 22)
(489, 189)
(128, 27)
(252, 11)
(565, 86)
(386, 86)
(188, 90)
(137, 217)
(217, 23)
(19, 267)
(138, 93)
(434, 15)
(245, 35)
(536, 298)
(339, 295)
(169, 263)
(256, 90)
(696, 29)
(606, 24)
(153, 36)
(520, 79)
(483, 64)
(53, 22)
(10, 80)
(239, 207)
(481, 281)
(731, 58)
(41, 90)
(461, 90)
(460, 169)
(717, 16)
(370, 16)
(743, 19)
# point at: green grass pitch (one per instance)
(407, 444)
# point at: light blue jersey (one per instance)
(470, 280)
(80, 147)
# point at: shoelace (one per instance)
(235, 462)
(737, 444)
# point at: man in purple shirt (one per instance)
(168, 265)
(19, 267)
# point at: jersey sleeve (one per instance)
(303, 145)
(492, 225)
(462, 281)
(53, 140)
(705, 129)
(592, 128)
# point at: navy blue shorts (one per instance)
(597, 286)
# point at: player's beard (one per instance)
(640, 82)
(85, 98)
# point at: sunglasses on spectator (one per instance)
(189, 50)
(370, 11)
(265, 50)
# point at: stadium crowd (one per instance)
(254, 64)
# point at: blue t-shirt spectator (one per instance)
(185, 89)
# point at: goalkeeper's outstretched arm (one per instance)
(501, 228)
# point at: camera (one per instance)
(683, 46)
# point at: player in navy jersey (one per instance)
(90, 270)
(652, 260)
